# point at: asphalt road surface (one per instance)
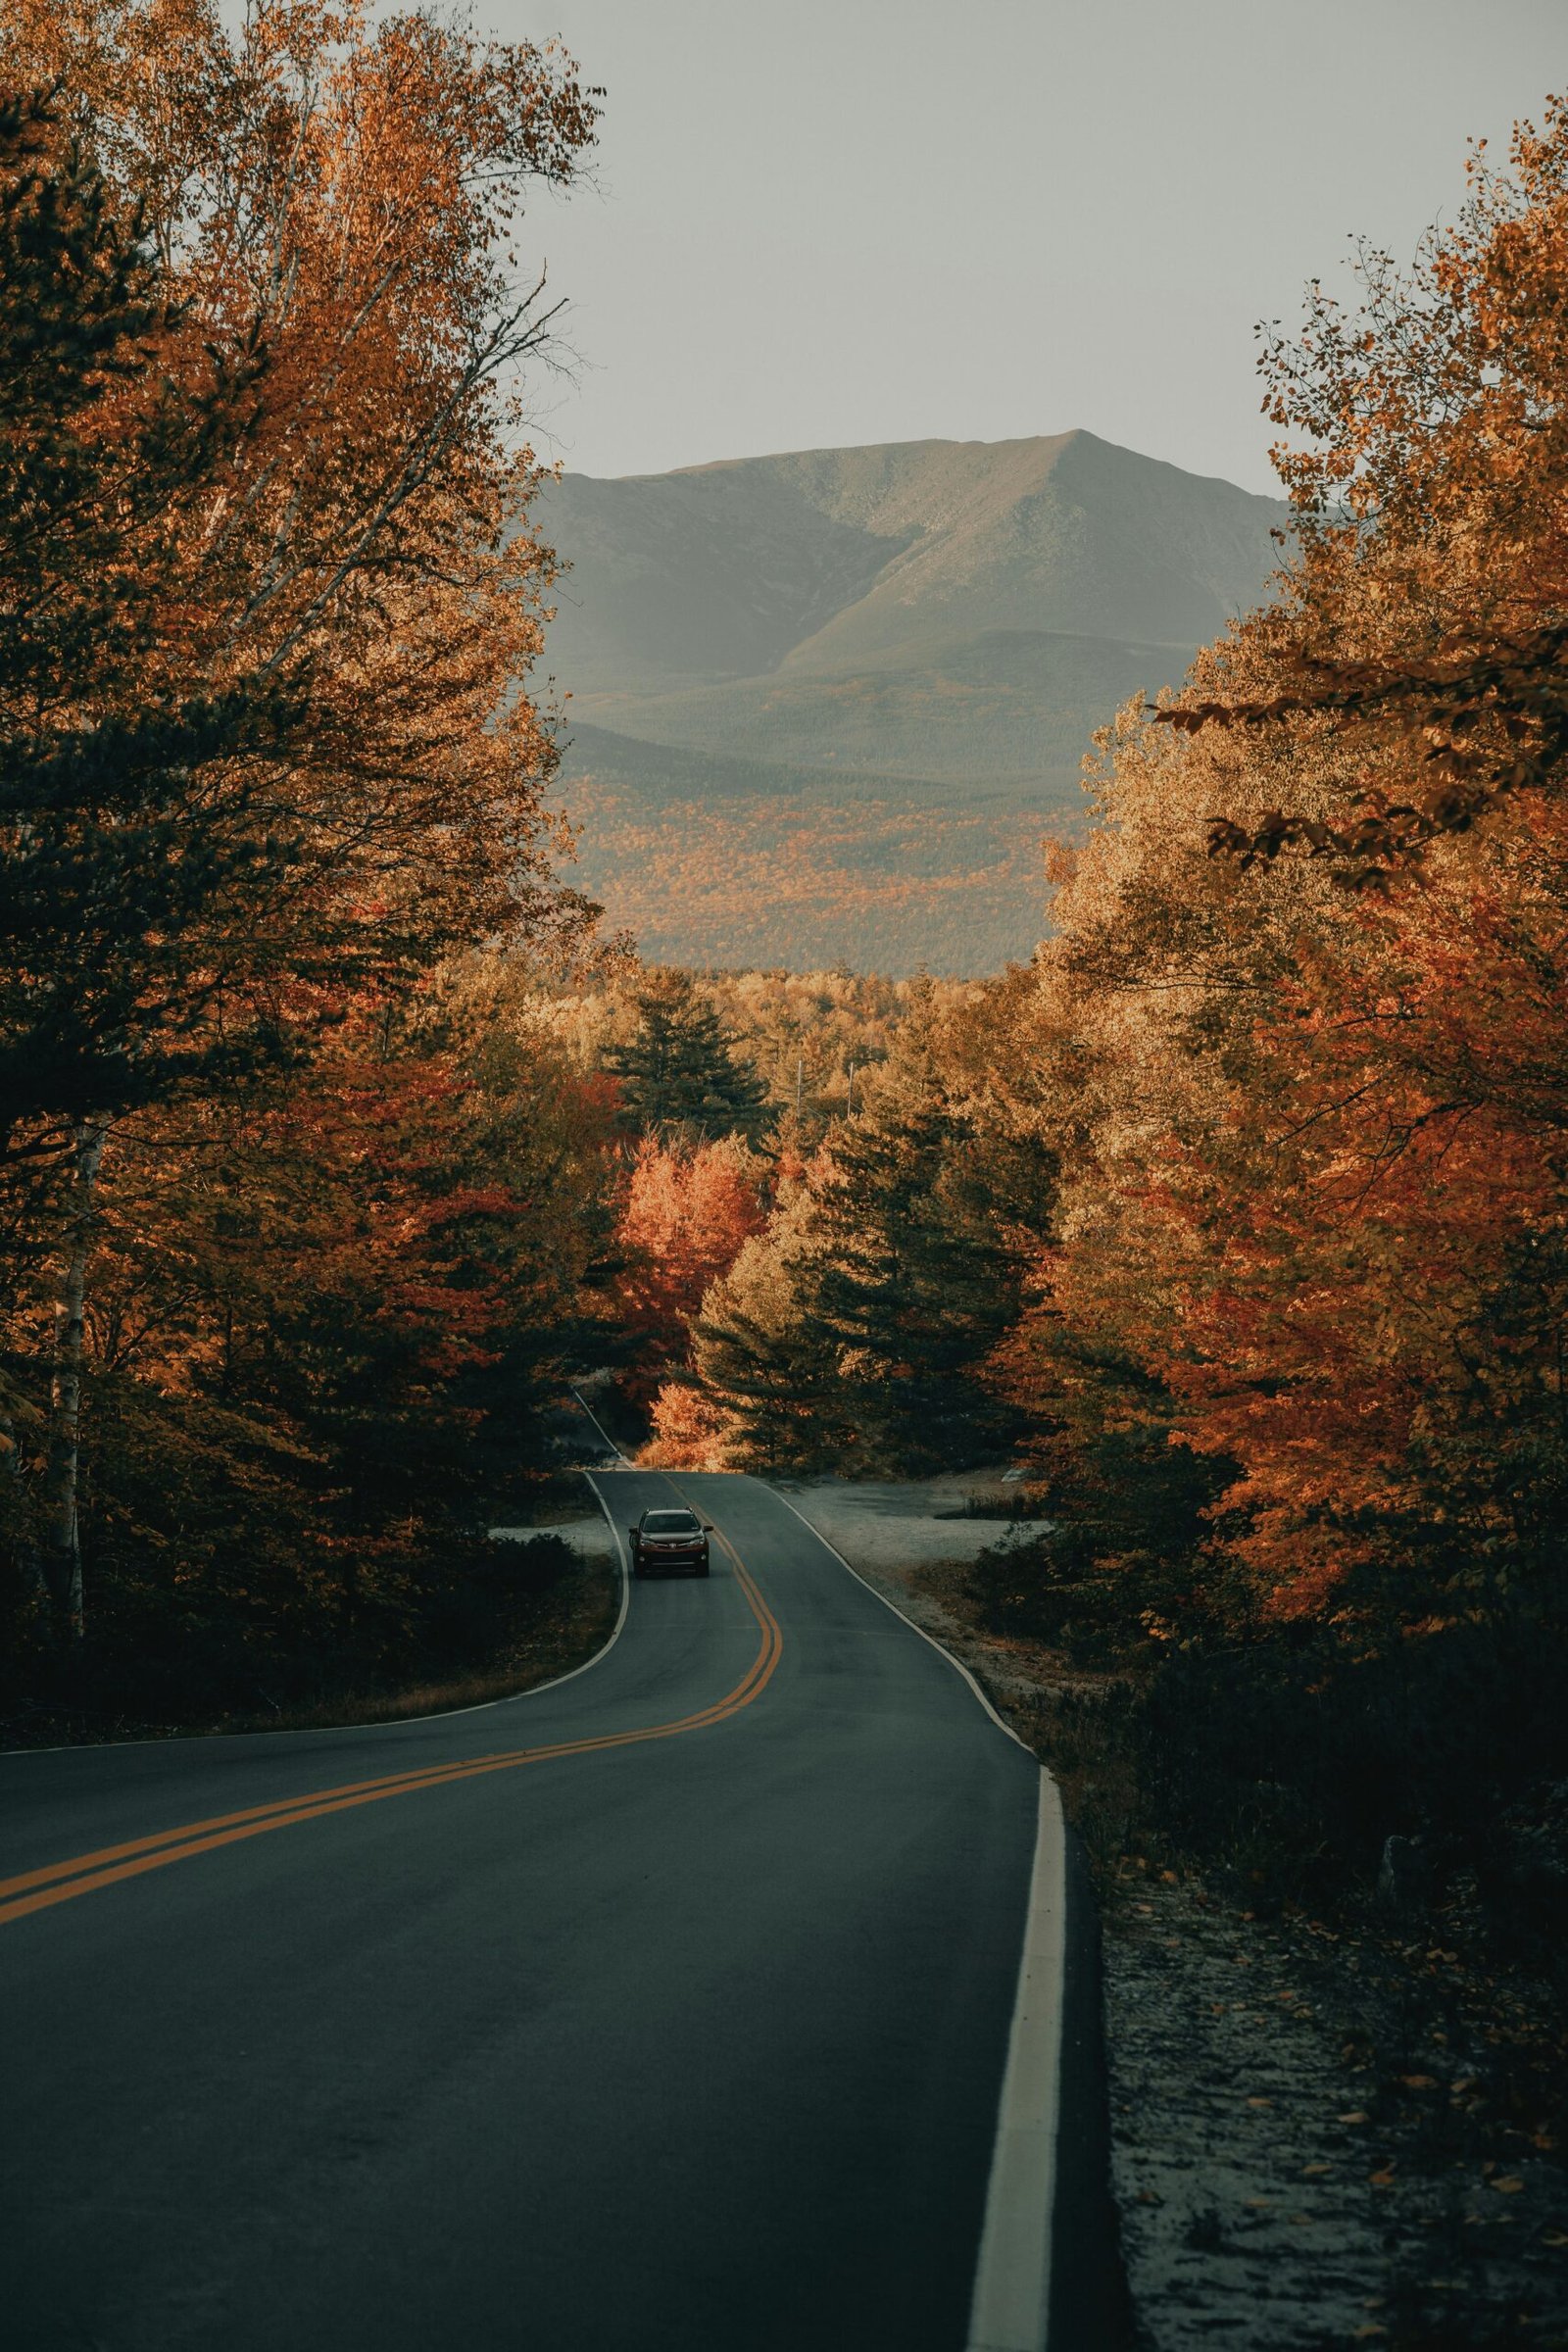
(668, 2007)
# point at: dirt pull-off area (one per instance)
(1309, 2145)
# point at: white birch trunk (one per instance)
(61, 1537)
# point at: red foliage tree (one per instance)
(686, 1213)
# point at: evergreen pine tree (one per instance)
(910, 1276)
(680, 1068)
(755, 1373)
(766, 1369)
(115, 419)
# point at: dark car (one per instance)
(669, 1539)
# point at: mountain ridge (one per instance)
(957, 614)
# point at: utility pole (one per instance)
(800, 1076)
(848, 1102)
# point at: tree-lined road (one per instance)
(665, 2008)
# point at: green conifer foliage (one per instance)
(855, 1334)
(765, 1370)
(760, 1374)
(113, 416)
(679, 1069)
(913, 1280)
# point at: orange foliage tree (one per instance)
(321, 1321)
(686, 1213)
(1314, 1224)
(264, 554)
(320, 625)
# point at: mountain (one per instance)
(823, 705)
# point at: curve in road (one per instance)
(83, 1874)
(693, 2034)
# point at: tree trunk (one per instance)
(63, 1536)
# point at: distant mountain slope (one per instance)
(1005, 708)
(947, 621)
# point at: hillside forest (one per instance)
(862, 691)
(339, 1136)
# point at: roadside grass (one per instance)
(575, 1625)
(510, 1616)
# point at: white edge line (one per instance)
(388, 1723)
(620, 1458)
(958, 1664)
(1010, 2309)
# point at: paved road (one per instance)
(687, 2040)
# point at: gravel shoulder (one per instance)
(588, 1537)
(1307, 2146)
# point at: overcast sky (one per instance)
(827, 221)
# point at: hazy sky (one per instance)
(826, 221)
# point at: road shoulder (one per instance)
(1293, 2166)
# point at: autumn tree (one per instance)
(762, 1391)
(1311, 1133)
(113, 419)
(266, 550)
(324, 1321)
(115, 425)
(687, 1210)
(1425, 612)
(812, 1037)
(269, 393)
(856, 1331)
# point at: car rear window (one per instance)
(670, 1523)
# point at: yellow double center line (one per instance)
(61, 1882)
